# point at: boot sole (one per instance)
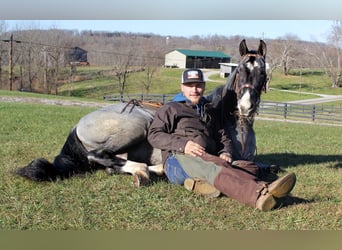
(266, 203)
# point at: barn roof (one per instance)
(203, 53)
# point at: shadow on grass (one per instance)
(292, 200)
(307, 73)
(281, 162)
(285, 160)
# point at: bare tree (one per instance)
(336, 39)
(286, 52)
(122, 70)
(329, 57)
(151, 60)
(2, 50)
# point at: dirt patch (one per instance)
(51, 101)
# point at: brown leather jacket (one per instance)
(175, 123)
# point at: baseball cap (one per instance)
(192, 75)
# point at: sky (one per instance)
(307, 30)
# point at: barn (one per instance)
(75, 55)
(227, 68)
(185, 58)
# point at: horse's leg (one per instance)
(118, 164)
(157, 169)
(243, 139)
(138, 170)
(143, 152)
(106, 158)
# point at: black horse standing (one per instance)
(238, 100)
(114, 137)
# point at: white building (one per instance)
(184, 58)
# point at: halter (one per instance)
(238, 89)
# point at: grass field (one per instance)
(166, 81)
(98, 201)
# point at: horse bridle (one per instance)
(238, 89)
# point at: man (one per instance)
(197, 154)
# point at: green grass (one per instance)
(98, 201)
(166, 81)
(311, 81)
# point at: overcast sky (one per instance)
(308, 30)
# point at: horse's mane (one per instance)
(224, 98)
(230, 84)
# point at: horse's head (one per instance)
(250, 78)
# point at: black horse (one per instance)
(238, 100)
(113, 138)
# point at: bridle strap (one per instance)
(246, 86)
(252, 54)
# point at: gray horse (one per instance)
(113, 138)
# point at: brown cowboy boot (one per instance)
(279, 188)
(201, 187)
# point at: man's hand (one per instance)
(194, 149)
(227, 157)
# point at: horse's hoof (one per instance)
(136, 181)
(110, 171)
(139, 181)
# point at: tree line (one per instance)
(34, 59)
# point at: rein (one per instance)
(136, 102)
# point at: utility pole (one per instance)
(10, 59)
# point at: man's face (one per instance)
(193, 91)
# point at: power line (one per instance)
(89, 51)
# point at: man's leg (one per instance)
(175, 167)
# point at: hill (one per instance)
(38, 55)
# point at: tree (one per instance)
(122, 70)
(285, 48)
(151, 60)
(336, 39)
(329, 57)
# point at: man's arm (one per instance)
(160, 134)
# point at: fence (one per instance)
(314, 113)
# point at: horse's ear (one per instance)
(243, 48)
(262, 48)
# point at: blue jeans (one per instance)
(174, 171)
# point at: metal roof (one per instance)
(203, 53)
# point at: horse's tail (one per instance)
(39, 170)
(72, 160)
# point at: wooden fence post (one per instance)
(313, 112)
(285, 111)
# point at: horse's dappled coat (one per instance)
(109, 128)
